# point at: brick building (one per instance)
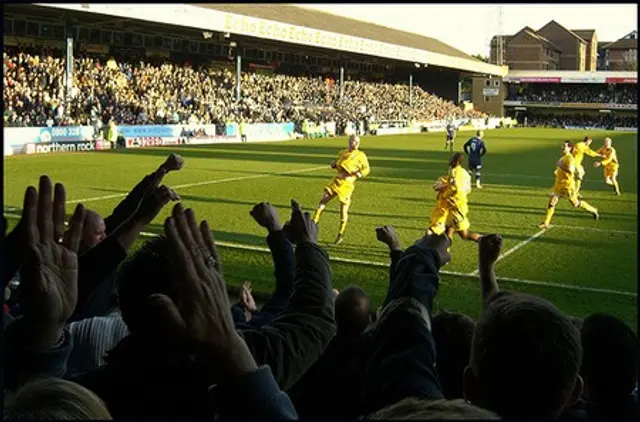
(620, 55)
(552, 47)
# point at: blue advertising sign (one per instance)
(158, 131)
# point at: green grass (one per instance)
(517, 177)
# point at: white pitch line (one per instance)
(515, 248)
(206, 182)
(240, 246)
(596, 229)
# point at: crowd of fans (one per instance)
(576, 93)
(157, 92)
(604, 121)
(92, 334)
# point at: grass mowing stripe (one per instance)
(515, 248)
(206, 182)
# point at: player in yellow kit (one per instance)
(565, 186)
(579, 150)
(610, 164)
(452, 207)
(352, 164)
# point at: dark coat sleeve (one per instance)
(253, 396)
(296, 337)
(95, 277)
(284, 269)
(21, 364)
(128, 205)
(402, 349)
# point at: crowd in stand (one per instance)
(153, 91)
(94, 334)
(605, 121)
(576, 93)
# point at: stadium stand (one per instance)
(181, 351)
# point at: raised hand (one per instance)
(439, 243)
(246, 298)
(202, 311)
(489, 247)
(266, 216)
(300, 228)
(49, 274)
(173, 162)
(154, 201)
(388, 236)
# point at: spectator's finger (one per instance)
(209, 240)
(45, 223)
(59, 213)
(183, 258)
(30, 215)
(73, 236)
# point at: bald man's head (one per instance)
(94, 231)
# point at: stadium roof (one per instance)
(311, 29)
(316, 19)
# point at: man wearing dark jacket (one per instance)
(175, 383)
(98, 263)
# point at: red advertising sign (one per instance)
(621, 80)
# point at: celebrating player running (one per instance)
(352, 164)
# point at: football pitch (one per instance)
(583, 266)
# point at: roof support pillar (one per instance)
(238, 76)
(411, 90)
(341, 82)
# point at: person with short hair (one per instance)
(525, 359)
(54, 399)
(450, 212)
(579, 150)
(351, 165)
(610, 165)
(610, 366)
(439, 410)
(475, 148)
(565, 187)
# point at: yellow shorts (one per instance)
(445, 214)
(341, 188)
(569, 192)
(611, 172)
(579, 174)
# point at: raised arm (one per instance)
(100, 262)
(489, 247)
(389, 236)
(128, 206)
(37, 343)
(294, 340)
(365, 169)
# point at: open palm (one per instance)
(49, 272)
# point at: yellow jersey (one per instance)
(565, 171)
(610, 157)
(579, 150)
(458, 187)
(353, 162)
